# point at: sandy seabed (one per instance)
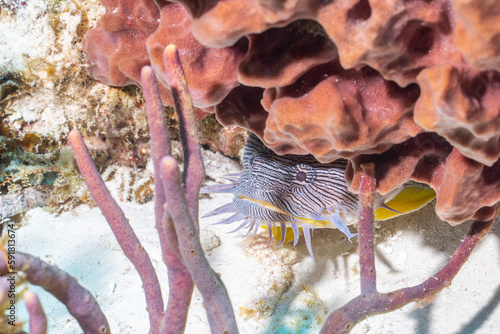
(273, 290)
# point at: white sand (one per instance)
(278, 290)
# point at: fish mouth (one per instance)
(296, 219)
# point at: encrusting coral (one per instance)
(131, 35)
(350, 79)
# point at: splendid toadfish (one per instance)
(292, 193)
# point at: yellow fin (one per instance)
(289, 235)
(408, 200)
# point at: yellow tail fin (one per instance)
(408, 200)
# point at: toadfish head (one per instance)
(291, 191)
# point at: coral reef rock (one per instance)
(410, 85)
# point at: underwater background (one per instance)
(270, 84)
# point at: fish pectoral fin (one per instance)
(336, 219)
(341, 225)
(226, 208)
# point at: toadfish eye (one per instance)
(304, 173)
(301, 176)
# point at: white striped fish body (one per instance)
(299, 187)
(296, 193)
